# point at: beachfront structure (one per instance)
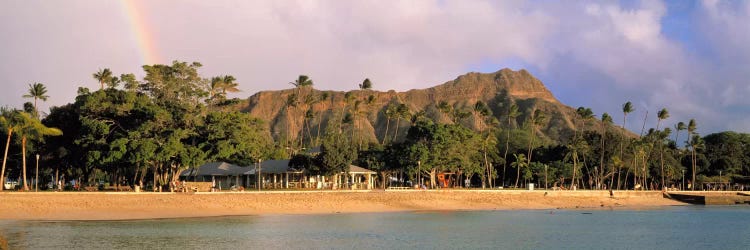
(276, 174)
(222, 175)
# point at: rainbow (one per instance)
(145, 44)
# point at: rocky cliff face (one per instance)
(498, 90)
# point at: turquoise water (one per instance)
(684, 227)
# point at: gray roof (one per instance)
(267, 167)
(359, 170)
(217, 169)
(274, 166)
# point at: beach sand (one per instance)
(126, 206)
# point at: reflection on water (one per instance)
(672, 228)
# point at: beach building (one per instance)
(222, 175)
(276, 174)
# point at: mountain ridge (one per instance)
(498, 90)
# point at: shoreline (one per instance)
(100, 206)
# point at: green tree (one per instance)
(131, 83)
(30, 128)
(9, 122)
(37, 91)
(337, 152)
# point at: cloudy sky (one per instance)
(691, 57)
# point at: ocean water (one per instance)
(683, 227)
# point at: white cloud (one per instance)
(586, 48)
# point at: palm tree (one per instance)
(291, 102)
(606, 121)
(576, 147)
(366, 84)
(661, 115)
(481, 112)
(390, 113)
(512, 114)
(301, 82)
(585, 114)
(695, 139)
(220, 85)
(31, 128)
(446, 109)
(678, 127)
(627, 108)
(536, 119)
(39, 92)
(321, 98)
(103, 76)
(521, 162)
(402, 111)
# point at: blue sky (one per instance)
(691, 57)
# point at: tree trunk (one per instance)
(694, 167)
(505, 155)
(387, 124)
(23, 152)
(398, 120)
(5, 158)
(661, 160)
(433, 174)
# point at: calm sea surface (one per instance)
(688, 227)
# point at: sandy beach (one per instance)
(125, 206)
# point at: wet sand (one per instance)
(126, 206)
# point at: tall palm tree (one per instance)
(321, 98)
(300, 83)
(291, 103)
(576, 148)
(480, 112)
(512, 114)
(520, 163)
(691, 127)
(606, 121)
(627, 108)
(39, 92)
(536, 119)
(661, 115)
(103, 76)
(402, 111)
(678, 127)
(390, 113)
(31, 128)
(585, 114)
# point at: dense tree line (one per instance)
(134, 132)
